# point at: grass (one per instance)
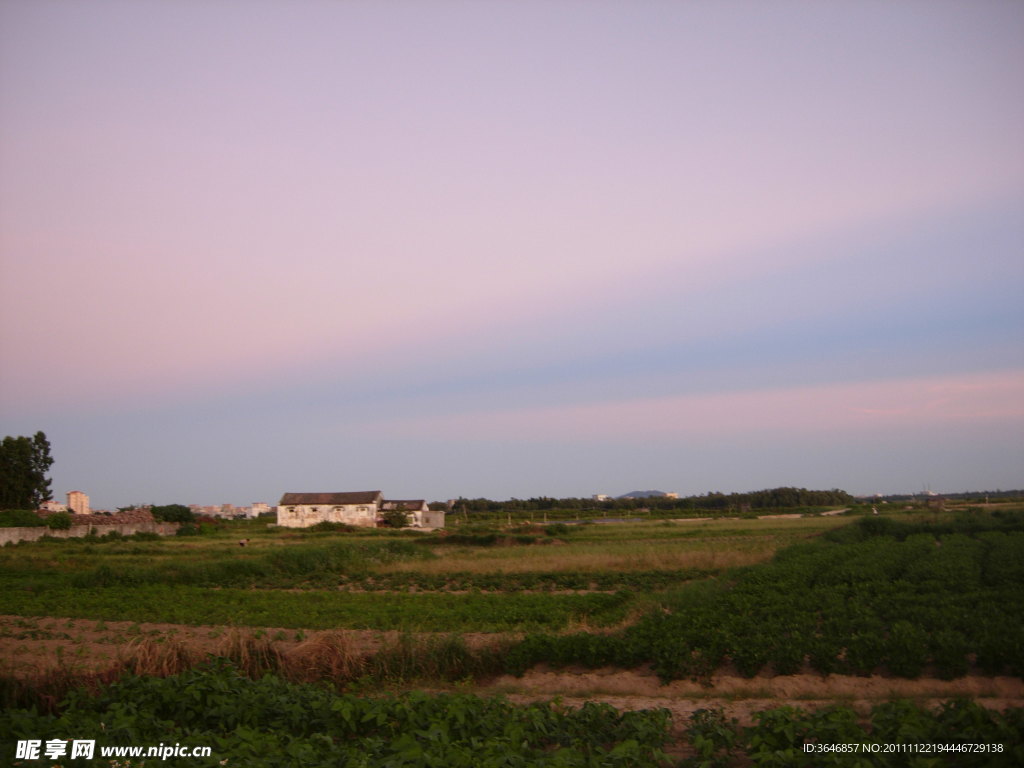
(638, 546)
(675, 571)
(623, 555)
(318, 609)
(283, 559)
(209, 579)
(709, 528)
(331, 657)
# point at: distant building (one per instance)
(78, 502)
(671, 495)
(600, 497)
(359, 508)
(420, 515)
(230, 511)
(53, 506)
(301, 510)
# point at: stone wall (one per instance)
(118, 518)
(15, 534)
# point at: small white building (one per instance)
(301, 510)
(419, 514)
(360, 508)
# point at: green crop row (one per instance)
(270, 723)
(490, 539)
(148, 562)
(958, 733)
(857, 608)
(314, 609)
(642, 581)
(970, 523)
(360, 564)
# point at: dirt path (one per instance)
(742, 697)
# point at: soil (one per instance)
(742, 697)
(31, 646)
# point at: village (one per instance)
(360, 509)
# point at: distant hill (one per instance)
(641, 494)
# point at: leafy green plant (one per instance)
(326, 526)
(58, 521)
(267, 723)
(714, 739)
(20, 518)
(395, 518)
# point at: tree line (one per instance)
(770, 498)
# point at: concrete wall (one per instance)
(75, 531)
(305, 515)
(431, 520)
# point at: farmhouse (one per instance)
(301, 510)
(419, 514)
(362, 508)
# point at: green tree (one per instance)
(395, 518)
(58, 521)
(173, 513)
(24, 462)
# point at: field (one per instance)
(725, 633)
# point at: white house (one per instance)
(420, 515)
(362, 508)
(301, 510)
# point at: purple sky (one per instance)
(512, 248)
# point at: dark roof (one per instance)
(352, 497)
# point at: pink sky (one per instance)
(838, 410)
(500, 214)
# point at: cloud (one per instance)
(881, 406)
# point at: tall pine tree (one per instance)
(24, 462)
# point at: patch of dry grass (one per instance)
(629, 547)
(336, 657)
(594, 557)
(254, 654)
(159, 657)
(325, 656)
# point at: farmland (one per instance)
(724, 623)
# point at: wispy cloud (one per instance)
(881, 406)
